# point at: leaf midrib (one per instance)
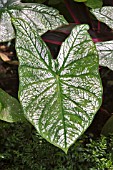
(59, 88)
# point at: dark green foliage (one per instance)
(10, 108)
(108, 127)
(21, 148)
(94, 4)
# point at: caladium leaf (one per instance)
(59, 97)
(41, 17)
(10, 108)
(4, 4)
(6, 29)
(105, 51)
(105, 15)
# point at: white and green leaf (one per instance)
(59, 97)
(6, 30)
(10, 108)
(105, 51)
(8, 3)
(39, 16)
(105, 15)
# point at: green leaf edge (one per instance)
(18, 118)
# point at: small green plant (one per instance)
(59, 97)
(23, 148)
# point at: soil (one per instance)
(9, 82)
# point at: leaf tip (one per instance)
(65, 150)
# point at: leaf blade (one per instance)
(6, 29)
(105, 51)
(59, 111)
(39, 16)
(104, 14)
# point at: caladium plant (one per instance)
(105, 49)
(104, 14)
(59, 97)
(39, 16)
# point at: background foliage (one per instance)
(23, 148)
